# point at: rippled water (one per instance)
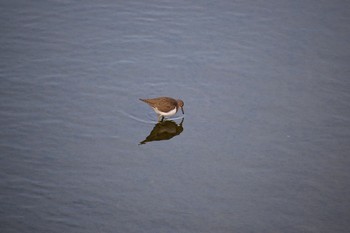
(263, 147)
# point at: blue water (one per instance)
(263, 145)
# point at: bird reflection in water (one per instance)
(164, 130)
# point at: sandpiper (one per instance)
(165, 106)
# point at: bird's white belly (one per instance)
(170, 113)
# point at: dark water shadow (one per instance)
(164, 131)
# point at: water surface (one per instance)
(263, 147)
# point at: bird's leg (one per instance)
(160, 118)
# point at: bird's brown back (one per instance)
(163, 104)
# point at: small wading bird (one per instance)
(165, 106)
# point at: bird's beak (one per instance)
(182, 109)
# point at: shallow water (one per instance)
(263, 145)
